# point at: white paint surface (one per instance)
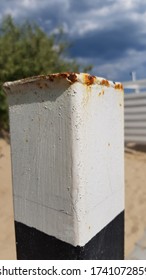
(67, 156)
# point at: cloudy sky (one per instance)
(110, 34)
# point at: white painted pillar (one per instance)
(67, 154)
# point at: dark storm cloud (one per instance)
(109, 43)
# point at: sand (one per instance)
(7, 240)
(135, 197)
(135, 201)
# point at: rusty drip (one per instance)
(101, 93)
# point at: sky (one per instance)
(109, 34)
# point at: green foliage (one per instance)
(25, 51)
(3, 112)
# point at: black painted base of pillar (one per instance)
(108, 244)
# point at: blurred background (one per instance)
(105, 38)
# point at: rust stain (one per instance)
(61, 75)
(51, 78)
(118, 86)
(46, 85)
(72, 77)
(89, 80)
(40, 85)
(86, 97)
(105, 83)
(101, 93)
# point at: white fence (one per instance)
(135, 112)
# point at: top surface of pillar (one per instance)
(70, 77)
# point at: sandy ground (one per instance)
(135, 217)
(135, 197)
(7, 240)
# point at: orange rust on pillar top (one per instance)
(105, 83)
(72, 77)
(119, 86)
(62, 75)
(89, 80)
(51, 78)
(57, 75)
